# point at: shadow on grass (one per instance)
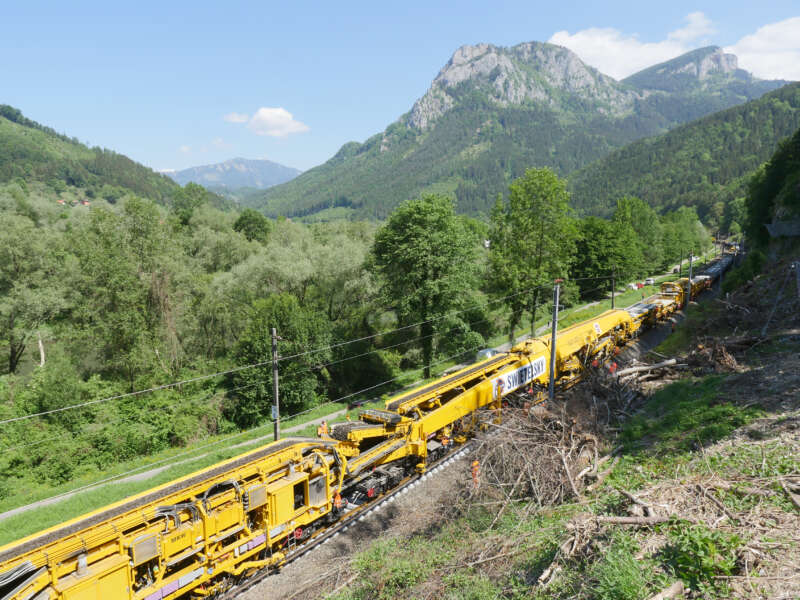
(685, 416)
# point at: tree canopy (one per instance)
(532, 240)
(426, 262)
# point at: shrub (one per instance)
(697, 554)
(750, 267)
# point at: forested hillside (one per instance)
(705, 164)
(774, 191)
(100, 300)
(33, 154)
(493, 112)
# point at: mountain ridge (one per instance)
(490, 113)
(236, 173)
(705, 164)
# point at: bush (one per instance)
(750, 267)
(697, 554)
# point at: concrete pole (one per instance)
(554, 333)
(276, 411)
(613, 285)
(689, 291)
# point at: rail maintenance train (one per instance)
(196, 536)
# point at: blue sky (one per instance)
(179, 84)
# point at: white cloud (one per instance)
(619, 55)
(772, 52)
(698, 27)
(235, 117)
(275, 122)
(185, 149)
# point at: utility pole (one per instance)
(680, 266)
(554, 333)
(613, 285)
(689, 285)
(276, 412)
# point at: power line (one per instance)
(231, 437)
(416, 339)
(238, 369)
(440, 317)
(122, 417)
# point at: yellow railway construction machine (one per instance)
(195, 536)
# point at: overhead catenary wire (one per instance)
(315, 367)
(249, 385)
(232, 436)
(264, 363)
(198, 378)
(404, 327)
(123, 417)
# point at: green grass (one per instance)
(34, 520)
(684, 416)
(618, 575)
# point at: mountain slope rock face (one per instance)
(705, 69)
(236, 173)
(528, 72)
(492, 112)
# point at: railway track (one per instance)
(353, 517)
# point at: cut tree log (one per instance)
(653, 520)
(673, 591)
(672, 362)
(793, 497)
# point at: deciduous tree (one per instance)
(532, 242)
(425, 259)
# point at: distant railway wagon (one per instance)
(196, 536)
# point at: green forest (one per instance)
(706, 164)
(102, 300)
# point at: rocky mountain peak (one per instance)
(699, 67)
(532, 71)
(701, 63)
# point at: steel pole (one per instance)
(552, 388)
(276, 411)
